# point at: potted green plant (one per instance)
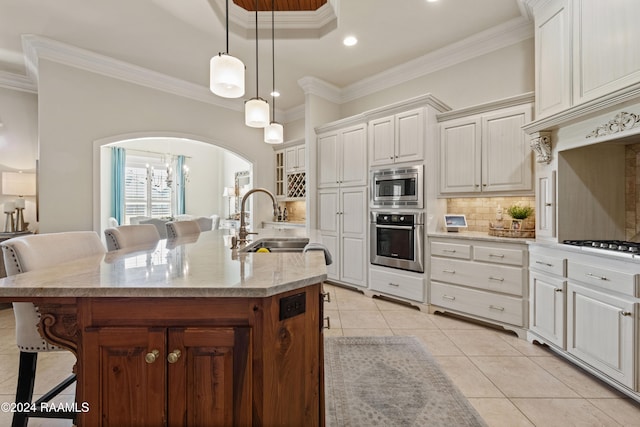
(519, 214)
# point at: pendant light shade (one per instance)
(274, 133)
(227, 76)
(226, 72)
(256, 113)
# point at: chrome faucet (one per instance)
(242, 233)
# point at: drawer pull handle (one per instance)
(326, 296)
(497, 255)
(449, 271)
(451, 251)
(448, 297)
(174, 356)
(152, 356)
(558, 289)
(327, 323)
(544, 263)
(626, 313)
(499, 279)
(394, 284)
(596, 276)
(495, 307)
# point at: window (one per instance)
(148, 187)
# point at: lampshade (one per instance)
(274, 133)
(18, 184)
(227, 76)
(229, 192)
(256, 113)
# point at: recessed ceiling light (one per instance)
(275, 94)
(431, 1)
(350, 41)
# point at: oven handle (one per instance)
(397, 227)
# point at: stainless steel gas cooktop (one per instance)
(617, 247)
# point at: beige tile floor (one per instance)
(509, 381)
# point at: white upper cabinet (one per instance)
(397, 138)
(294, 159)
(553, 49)
(342, 157)
(585, 49)
(486, 152)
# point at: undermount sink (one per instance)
(277, 245)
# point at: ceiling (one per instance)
(178, 38)
(280, 5)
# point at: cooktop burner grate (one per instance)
(610, 245)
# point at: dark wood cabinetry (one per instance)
(194, 361)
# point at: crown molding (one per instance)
(315, 86)
(17, 82)
(37, 47)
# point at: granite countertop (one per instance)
(187, 267)
(478, 235)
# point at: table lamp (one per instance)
(17, 184)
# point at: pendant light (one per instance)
(274, 133)
(256, 110)
(226, 72)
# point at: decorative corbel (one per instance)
(541, 144)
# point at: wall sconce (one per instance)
(17, 184)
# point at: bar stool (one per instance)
(34, 252)
(182, 228)
(127, 236)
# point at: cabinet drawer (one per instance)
(605, 278)
(484, 304)
(499, 255)
(401, 285)
(451, 250)
(548, 264)
(497, 278)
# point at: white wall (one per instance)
(77, 107)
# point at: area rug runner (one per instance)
(390, 381)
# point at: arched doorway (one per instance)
(211, 169)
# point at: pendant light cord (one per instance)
(227, 24)
(273, 63)
(257, 91)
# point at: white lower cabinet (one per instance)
(585, 306)
(397, 283)
(482, 279)
(601, 332)
(547, 290)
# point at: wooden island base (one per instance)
(194, 361)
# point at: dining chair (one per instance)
(159, 224)
(112, 222)
(216, 221)
(29, 253)
(182, 228)
(135, 220)
(127, 236)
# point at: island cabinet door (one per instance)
(209, 376)
(124, 377)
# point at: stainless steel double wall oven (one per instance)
(397, 231)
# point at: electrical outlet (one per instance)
(293, 305)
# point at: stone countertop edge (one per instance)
(479, 235)
(214, 270)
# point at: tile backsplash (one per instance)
(632, 191)
(480, 210)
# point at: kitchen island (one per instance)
(189, 333)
